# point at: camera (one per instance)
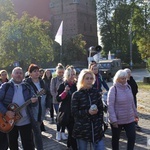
(93, 107)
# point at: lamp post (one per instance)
(130, 34)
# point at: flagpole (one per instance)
(61, 46)
(61, 54)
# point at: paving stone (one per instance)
(141, 137)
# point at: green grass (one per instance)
(145, 86)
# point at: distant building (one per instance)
(79, 16)
(39, 8)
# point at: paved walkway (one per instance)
(141, 140)
(142, 137)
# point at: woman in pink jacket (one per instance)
(122, 111)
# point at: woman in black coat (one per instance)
(87, 109)
(134, 88)
(65, 91)
(47, 76)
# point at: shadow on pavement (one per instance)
(140, 143)
(49, 138)
(144, 116)
(50, 142)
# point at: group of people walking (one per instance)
(75, 99)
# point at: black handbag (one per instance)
(63, 118)
(105, 126)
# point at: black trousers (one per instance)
(51, 110)
(71, 142)
(130, 132)
(26, 137)
(3, 141)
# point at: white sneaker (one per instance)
(58, 136)
(63, 136)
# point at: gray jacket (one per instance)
(55, 82)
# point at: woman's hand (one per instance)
(136, 119)
(67, 88)
(93, 112)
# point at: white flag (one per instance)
(58, 37)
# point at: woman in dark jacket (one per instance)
(37, 84)
(87, 109)
(47, 76)
(134, 88)
(99, 81)
(65, 91)
(3, 136)
(3, 76)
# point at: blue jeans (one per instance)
(56, 107)
(82, 145)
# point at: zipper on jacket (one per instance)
(91, 121)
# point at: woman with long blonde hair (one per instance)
(87, 109)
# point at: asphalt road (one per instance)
(139, 74)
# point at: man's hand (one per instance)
(34, 99)
(10, 114)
